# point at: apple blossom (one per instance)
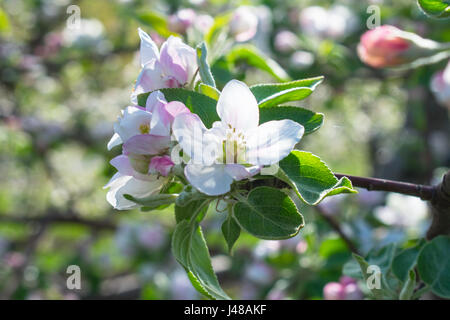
(243, 24)
(235, 148)
(203, 22)
(286, 41)
(335, 23)
(128, 181)
(173, 66)
(146, 137)
(181, 20)
(301, 59)
(156, 118)
(440, 86)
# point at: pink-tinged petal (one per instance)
(149, 79)
(155, 99)
(164, 115)
(161, 120)
(176, 108)
(149, 49)
(178, 60)
(272, 141)
(115, 141)
(237, 106)
(122, 184)
(211, 180)
(146, 144)
(161, 165)
(122, 164)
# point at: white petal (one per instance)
(149, 49)
(237, 106)
(155, 99)
(239, 172)
(201, 145)
(133, 121)
(115, 141)
(273, 141)
(211, 180)
(120, 185)
(149, 79)
(178, 60)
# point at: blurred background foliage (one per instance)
(61, 90)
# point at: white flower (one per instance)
(173, 66)
(243, 24)
(236, 147)
(128, 181)
(155, 119)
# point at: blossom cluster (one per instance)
(234, 148)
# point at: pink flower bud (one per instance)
(333, 291)
(345, 289)
(383, 46)
(161, 165)
(243, 24)
(181, 20)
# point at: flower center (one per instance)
(234, 147)
(144, 128)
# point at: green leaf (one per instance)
(153, 201)
(268, 213)
(231, 231)
(435, 8)
(203, 66)
(209, 91)
(382, 258)
(155, 21)
(4, 21)
(190, 250)
(311, 179)
(219, 28)
(252, 56)
(310, 120)
(363, 264)
(197, 208)
(272, 94)
(352, 269)
(332, 246)
(203, 106)
(405, 261)
(408, 288)
(433, 265)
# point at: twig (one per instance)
(374, 184)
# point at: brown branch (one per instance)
(56, 217)
(438, 196)
(374, 184)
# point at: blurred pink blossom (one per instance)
(345, 289)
